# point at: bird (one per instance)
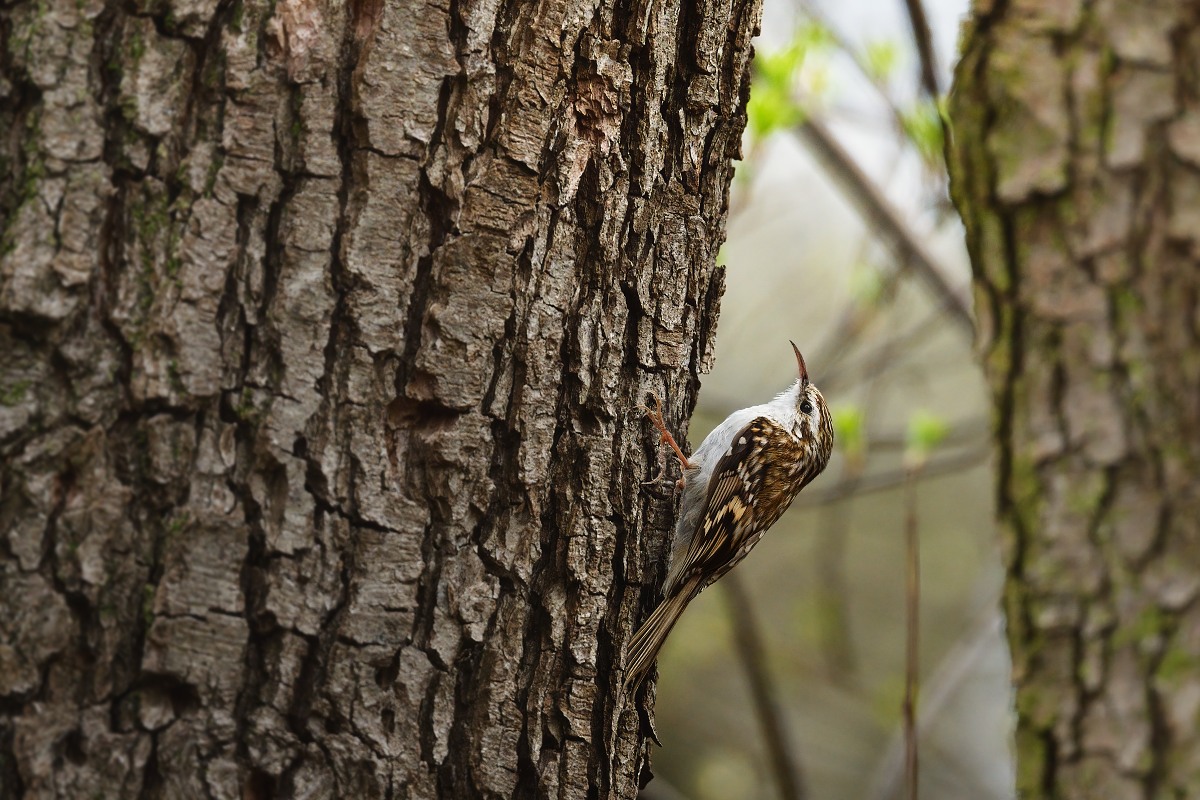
(736, 485)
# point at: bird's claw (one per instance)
(664, 435)
(653, 489)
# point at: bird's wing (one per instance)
(729, 521)
(763, 461)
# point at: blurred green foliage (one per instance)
(850, 430)
(828, 583)
(925, 432)
(923, 126)
(773, 104)
(867, 286)
(879, 60)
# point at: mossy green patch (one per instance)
(246, 409)
(174, 377)
(14, 393)
(1086, 495)
(1177, 663)
(1031, 762)
(135, 46)
(1152, 622)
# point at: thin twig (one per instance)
(912, 645)
(847, 332)
(836, 636)
(923, 39)
(856, 316)
(879, 360)
(837, 643)
(954, 669)
(815, 14)
(884, 221)
(892, 478)
(788, 773)
(960, 433)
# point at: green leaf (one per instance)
(923, 127)
(866, 285)
(770, 109)
(772, 105)
(814, 36)
(880, 60)
(776, 68)
(849, 427)
(925, 432)
(850, 432)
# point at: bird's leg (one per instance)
(656, 417)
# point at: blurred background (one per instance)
(842, 238)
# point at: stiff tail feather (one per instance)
(649, 638)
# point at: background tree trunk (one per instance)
(1076, 166)
(324, 330)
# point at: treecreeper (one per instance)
(736, 485)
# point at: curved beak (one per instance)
(800, 364)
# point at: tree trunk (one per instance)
(1076, 167)
(325, 328)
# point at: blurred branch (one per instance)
(841, 366)
(883, 221)
(837, 643)
(880, 359)
(960, 433)
(857, 316)
(912, 614)
(959, 664)
(815, 14)
(893, 478)
(788, 774)
(923, 39)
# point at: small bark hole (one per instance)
(73, 747)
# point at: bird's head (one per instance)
(813, 422)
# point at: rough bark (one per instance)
(324, 330)
(1076, 167)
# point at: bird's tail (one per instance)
(645, 644)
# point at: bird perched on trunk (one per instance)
(739, 481)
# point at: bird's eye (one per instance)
(806, 407)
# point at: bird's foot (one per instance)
(656, 417)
